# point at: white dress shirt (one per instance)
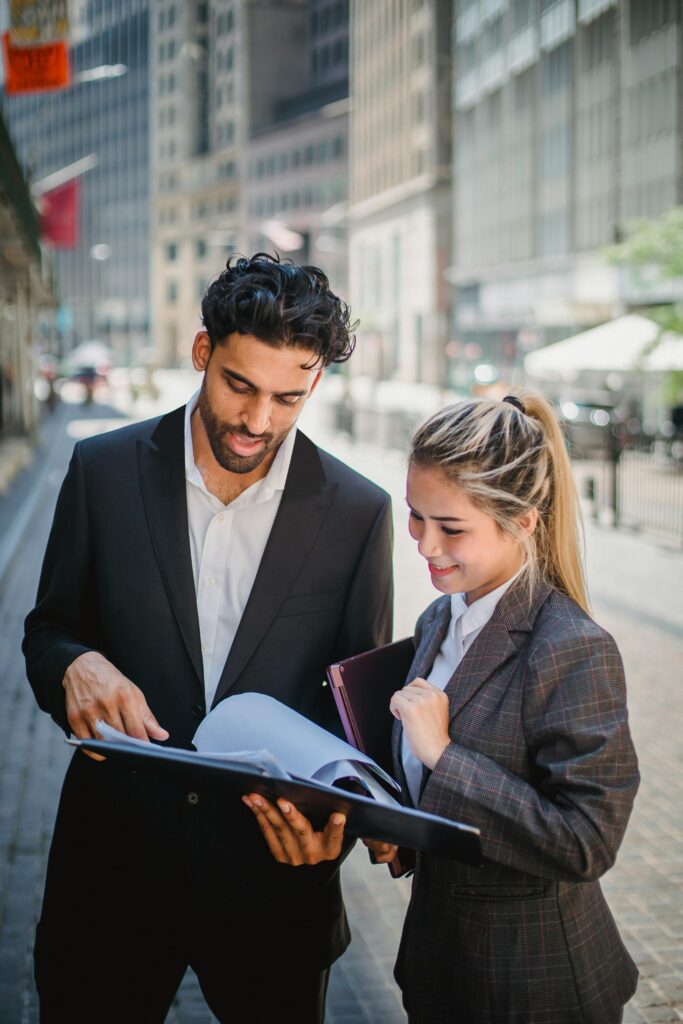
(227, 544)
(467, 622)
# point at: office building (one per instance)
(568, 119)
(220, 67)
(297, 169)
(104, 279)
(26, 287)
(400, 192)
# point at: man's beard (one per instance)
(224, 456)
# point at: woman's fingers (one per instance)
(382, 853)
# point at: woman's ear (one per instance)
(528, 521)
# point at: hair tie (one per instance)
(512, 400)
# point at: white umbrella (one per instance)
(619, 345)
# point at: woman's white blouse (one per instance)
(467, 622)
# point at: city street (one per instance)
(637, 595)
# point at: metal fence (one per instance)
(642, 490)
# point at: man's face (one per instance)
(251, 396)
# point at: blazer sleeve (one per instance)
(368, 614)
(568, 822)
(63, 624)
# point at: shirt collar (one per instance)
(264, 489)
(477, 614)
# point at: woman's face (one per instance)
(464, 549)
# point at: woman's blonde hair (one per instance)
(509, 457)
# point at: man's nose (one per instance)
(256, 416)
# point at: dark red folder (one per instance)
(362, 688)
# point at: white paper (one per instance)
(300, 746)
(259, 761)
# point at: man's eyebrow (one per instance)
(437, 519)
(243, 380)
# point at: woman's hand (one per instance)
(382, 853)
(422, 710)
(291, 838)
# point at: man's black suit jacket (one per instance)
(117, 578)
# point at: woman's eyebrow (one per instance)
(438, 519)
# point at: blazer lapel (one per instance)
(305, 503)
(499, 640)
(162, 478)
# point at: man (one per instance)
(211, 551)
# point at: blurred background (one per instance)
(496, 187)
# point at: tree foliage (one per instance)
(654, 243)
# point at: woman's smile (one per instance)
(437, 570)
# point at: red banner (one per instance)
(35, 68)
(59, 216)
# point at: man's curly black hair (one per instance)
(281, 304)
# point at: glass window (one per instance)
(171, 291)
(200, 248)
(171, 252)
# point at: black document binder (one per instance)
(366, 817)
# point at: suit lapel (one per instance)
(304, 507)
(162, 478)
(499, 640)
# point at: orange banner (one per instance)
(35, 68)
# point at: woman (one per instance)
(514, 721)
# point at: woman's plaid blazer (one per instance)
(541, 760)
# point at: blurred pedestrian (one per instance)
(210, 551)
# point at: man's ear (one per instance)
(201, 351)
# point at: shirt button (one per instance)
(220, 517)
(193, 798)
(210, 582)
(203, 648)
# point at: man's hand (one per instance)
(382, 853)
(291, 838)
(422, 709)
(95, 689)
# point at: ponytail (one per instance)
(509, 458)
(559, 540)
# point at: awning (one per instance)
(620, 345)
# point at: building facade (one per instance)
(104, 279)
(297, 167)
(26, 287)
(222, 70)
(568, 121)
(400, 193)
